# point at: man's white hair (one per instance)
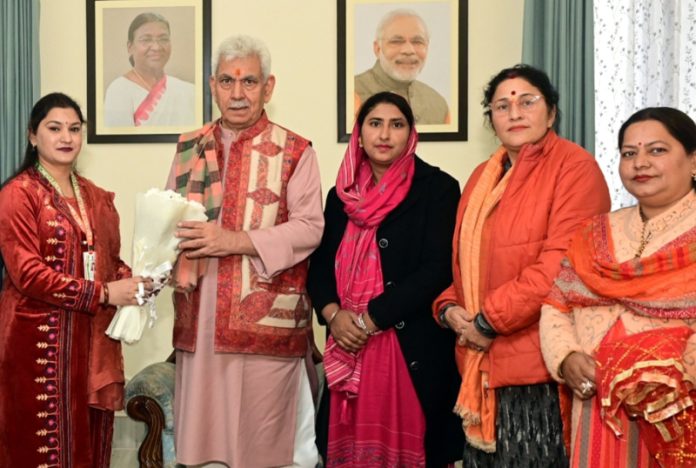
(242, 46)
(398, 13)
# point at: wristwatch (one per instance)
(441, 316)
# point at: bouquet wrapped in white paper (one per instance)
(157, 213)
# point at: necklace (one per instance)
(645, 235)
(662, 221)
(141, 79)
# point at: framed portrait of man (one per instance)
(417, 49)
(148, 67)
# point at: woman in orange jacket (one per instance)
(514, 221)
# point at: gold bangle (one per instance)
(105, 288)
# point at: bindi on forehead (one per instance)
(237, 72)
(513, 92)
(640, 143)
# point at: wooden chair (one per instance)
(150, 399)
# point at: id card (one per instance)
(89, 260)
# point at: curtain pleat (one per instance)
(20, 79)
(558, 38)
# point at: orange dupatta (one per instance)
(475, 404)
(659, 286)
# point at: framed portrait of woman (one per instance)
(415, 48)
(148, 65)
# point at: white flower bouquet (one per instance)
(157, 213)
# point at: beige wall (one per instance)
(302, 38)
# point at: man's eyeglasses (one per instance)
(525, 103)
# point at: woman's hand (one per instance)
(457, 317)
(578, 370)
(469, 336)
(346, 332)
(122, 292)
(461, 322)
(371, 327)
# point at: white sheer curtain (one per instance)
(645, 55)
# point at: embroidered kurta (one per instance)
(62, 377)
(584, 328)
(243, 409)
(257, 311)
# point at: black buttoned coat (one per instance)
(415, 245)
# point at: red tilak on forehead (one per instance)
(237, 72)
(513, 92)
(640, 143)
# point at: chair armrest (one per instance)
(150, 398)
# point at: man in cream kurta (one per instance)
(242, 391)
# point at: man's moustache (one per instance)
(239, 104)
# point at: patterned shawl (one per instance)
(197, 177)
(358, 267)
(660, 285)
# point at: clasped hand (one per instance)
(461, 322)
(346, 332)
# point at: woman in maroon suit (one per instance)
(59, 238)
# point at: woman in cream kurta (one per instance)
(657, 166)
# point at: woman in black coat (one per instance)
(413, 241)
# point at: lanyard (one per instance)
(80, 218)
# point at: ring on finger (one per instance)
(586, 387)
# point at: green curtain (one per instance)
(558, 38)
(20, 80)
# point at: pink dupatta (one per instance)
(358, 268)
(375, 416)
(142, 113)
